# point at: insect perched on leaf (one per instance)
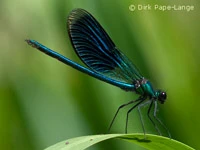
(106, 62)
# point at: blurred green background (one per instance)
(43, 101)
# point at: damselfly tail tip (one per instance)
(28, 41)
(31, 43)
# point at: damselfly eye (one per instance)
(162, 97)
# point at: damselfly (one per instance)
(106, 62)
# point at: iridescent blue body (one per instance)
(105, 62)
(144, 87)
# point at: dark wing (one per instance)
(95, 48)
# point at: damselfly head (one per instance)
(162, 96)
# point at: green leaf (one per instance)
(148, 141)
